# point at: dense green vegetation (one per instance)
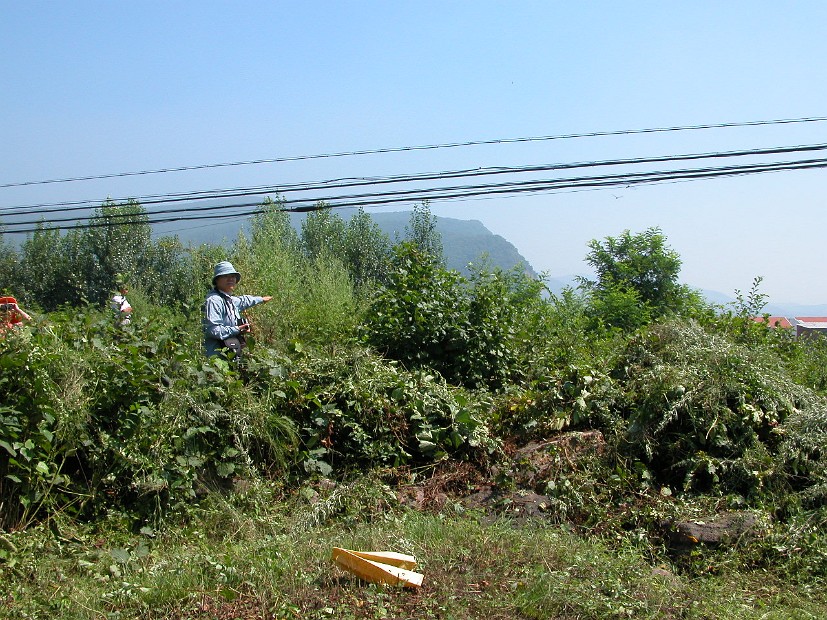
(138, 477)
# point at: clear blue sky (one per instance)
(103, 87)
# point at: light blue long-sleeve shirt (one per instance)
(221, 313)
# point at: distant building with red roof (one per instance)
(804, 325)
(774, 321)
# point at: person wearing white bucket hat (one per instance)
(224, 328)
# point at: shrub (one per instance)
(803, 455)
(475, 332)
(313, 297)
(573, 396)
(353, 408)
(702, 411)
(98, 417)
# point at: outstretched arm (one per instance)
(248, 301)
(21, 312)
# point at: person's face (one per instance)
(226, 283)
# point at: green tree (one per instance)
(272, 226)
(312, 293)
(367, 249)
(55, 268)
(9, 267)
(117, 240)
(78, 263)
(505, 311)
(475, 332)
(422, 232)
(43, 265)
(359, 244)
(421, 317)
(323, 234)
(166, 273)
(636, 279)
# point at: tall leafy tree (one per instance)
(43, 265)
(78, 264)
(323, 233)
(9, 267)
(359, 244)
(420, 318)
(166, 273)
(422, 232)
(367, 249)
(636, 279)
(117, 239)
(272, 226)
(56, 269)
(472, 331)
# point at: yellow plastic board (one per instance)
(399, 560)
(358, 563)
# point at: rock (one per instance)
(724, 528)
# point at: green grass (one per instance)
(261, 554)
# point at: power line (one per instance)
(286, 189)
(569, 136)
(453, 193)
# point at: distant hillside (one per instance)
(464, 241)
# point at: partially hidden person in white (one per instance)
(120, 306)
(222, 323)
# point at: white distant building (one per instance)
(809, 325)
(803, 325)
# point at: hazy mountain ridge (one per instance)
(463, 241)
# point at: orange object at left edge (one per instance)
(8, 318)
